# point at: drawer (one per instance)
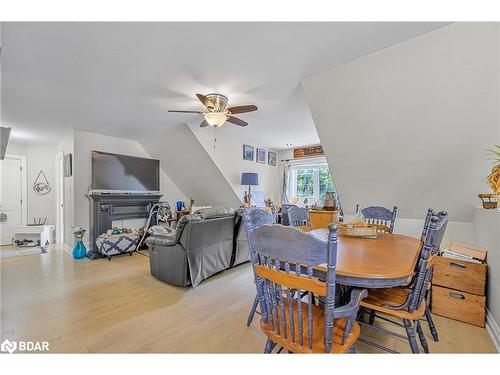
(458, 305)
(460, 275)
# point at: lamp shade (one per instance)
(249, 179)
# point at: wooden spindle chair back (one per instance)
(284, 215)
(299, 217)
(285, 258)
(383, 218)
(434, 233)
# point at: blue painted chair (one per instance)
(253, 218)
(299, 217)
(383, 218)
(284, 211)
(408, 302)
(284, 258)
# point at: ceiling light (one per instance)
(215, 119)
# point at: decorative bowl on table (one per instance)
(356, 230)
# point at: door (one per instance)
(11, 196)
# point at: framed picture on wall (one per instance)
(248, 152)
(261, 155)
(271, 158)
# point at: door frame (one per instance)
(59, 179)
(24, 186)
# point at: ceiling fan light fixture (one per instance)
(215, 119)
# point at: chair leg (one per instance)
(421, 336)
(432, 327)
(252, 311)
(361, 314)
(373, 314)
(269, 346)
(411, 336)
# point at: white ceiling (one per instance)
(120, 78)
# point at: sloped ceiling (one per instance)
(408, 125)
(119, 78)
(186, 162)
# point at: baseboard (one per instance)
(493, 330)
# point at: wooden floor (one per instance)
(118, 307)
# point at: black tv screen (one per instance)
(123, 173)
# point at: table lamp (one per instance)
(249, 179)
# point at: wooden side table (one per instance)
(323, 218)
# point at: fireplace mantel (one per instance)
(104, 208)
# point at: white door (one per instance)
(11, 194)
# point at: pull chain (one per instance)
(215, 138)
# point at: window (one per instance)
(310, 179)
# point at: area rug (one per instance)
(20, 252)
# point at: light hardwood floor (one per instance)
(118, 307)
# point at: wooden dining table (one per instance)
(386, 261)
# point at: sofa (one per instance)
(203, 244)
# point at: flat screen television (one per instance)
(114, 173)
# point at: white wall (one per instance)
(185, 160)
(41, 157)
(84, 143)
(487, 234)
(37, 157)
(66, 146)
(228, 156)
(408, 125)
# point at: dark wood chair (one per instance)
(284, 210)
(299, 217)
(383, 218)
(284, 258)
(408, 302)
(254, 218)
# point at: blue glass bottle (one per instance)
(79, 251)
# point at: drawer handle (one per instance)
(458, 265)
(456, 295)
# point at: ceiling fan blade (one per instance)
(237, 121)
(204, 124)
(197, 112)
(205, 101)
(242, 109)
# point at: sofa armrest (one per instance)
(164, 240)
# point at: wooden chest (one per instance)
(459, 288)
(460, 275)
(459, 305)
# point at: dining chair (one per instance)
(284, 258)
(408, 302)
(254, 218)
(299, 217)
(382, 217)
(284, 210)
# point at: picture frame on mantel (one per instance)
(271, 158)
(261, 156)
(248, 152)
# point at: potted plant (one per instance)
(493, 179)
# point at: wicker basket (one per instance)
(489, 200)
(349, 230)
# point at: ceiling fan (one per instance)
(217, 112)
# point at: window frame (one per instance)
(316, 165)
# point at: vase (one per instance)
(79, 251)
